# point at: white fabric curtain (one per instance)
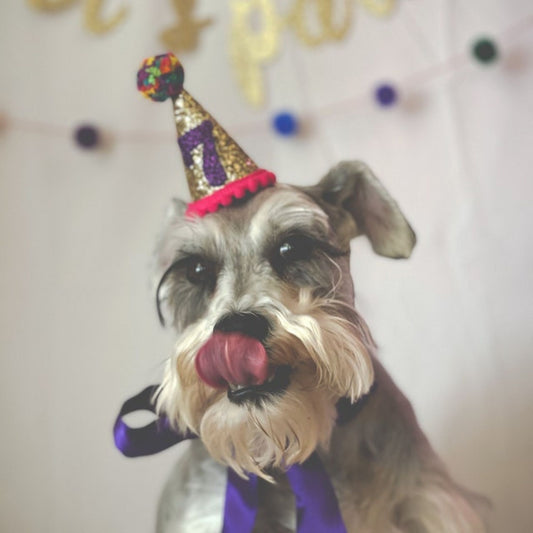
(78, 329)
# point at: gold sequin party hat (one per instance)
(217, 169)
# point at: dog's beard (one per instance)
(327, 346)
(279, 433)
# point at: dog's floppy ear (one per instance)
(357, 203)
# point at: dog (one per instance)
(269, 342)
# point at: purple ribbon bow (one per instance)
(316, 504)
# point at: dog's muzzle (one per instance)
(235, 358)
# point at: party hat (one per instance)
(218, 171)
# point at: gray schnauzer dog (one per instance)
(269, 341)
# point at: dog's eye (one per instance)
(296, 248)
(200, 271)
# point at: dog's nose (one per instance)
(250, 324)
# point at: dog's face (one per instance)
(262, 298)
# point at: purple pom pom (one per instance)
(386, 95)
(87, 137)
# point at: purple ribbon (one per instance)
(240, 507)
(147, 440)
(316, 504)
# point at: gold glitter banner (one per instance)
(93, 17)
(315, 22)
(92, 13)
(251, 49)
(50, 5)
(255, 29)
(184, 35)
(380, 8)
(322, 15)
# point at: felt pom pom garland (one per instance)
(161, 77)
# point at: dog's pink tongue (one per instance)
(232, 358)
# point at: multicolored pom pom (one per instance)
(160, 77)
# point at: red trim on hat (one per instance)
(258, 179)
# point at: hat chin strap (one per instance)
(259, 179)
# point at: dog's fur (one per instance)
(385, 474)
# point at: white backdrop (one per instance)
(78, 328)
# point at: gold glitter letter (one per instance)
(380, 8)
(250, 49)
(184, 35)
(327, 31)
(93, 18)
(50, 5)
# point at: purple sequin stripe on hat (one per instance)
(203, 134)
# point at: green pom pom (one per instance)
(485, 50)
